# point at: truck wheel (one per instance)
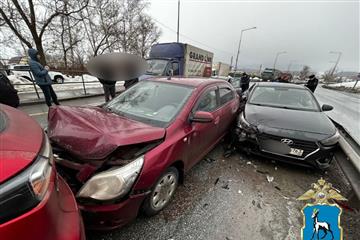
(162, 192)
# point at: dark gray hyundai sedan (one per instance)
(285, 122)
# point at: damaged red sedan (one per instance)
(130, 154)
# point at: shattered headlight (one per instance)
(113, 183)
(331, 140)
(245, 125)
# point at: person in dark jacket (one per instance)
(42, 78)
(130, 82)
(8, 94)
(109, 88)
(312, 83)
(244, 82)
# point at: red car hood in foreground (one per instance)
(20, 141)
(93, 133)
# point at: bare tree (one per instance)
(23, 18)
(148, 34)
(304, 72)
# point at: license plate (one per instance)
(296, 152)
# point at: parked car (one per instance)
(285, 122)
(270, 74)
(24, 71)
(133, 152)
(35, 202)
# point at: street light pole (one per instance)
(276, 58)
(337, 61)
(290, 64)
(238, 51)
(178, 22)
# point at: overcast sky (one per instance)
(307, 30)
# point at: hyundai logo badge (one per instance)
(287, 141)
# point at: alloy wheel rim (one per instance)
(163, 191)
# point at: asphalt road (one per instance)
(229, 198)
(346, 110)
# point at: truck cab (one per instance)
(178, 59)
(163, 67)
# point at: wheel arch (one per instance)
(179, 165)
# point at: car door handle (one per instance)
(217, 120)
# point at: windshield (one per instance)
(156, 66)
(155, 103)
(283, 97)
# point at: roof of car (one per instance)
(279, 84)
(193, 82)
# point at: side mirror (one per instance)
(326, 107)
(244, 96)
(202, 117)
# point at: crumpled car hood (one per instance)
(276, 121)
(93, 133)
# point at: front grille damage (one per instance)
(279, 148)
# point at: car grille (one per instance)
(307, 146)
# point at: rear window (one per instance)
(21, 68)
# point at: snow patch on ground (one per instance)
(346, 84)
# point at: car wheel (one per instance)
(59, 80)
(162, 192)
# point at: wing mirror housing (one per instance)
(202, 117)
(326, 107)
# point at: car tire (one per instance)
(162, 192)
(59, 79)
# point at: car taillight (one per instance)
(25, 191)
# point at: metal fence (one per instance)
(26, 75)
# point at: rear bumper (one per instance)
(107, 217)
(56, 217)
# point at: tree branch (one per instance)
(12, 27)
(58, 13)
(20, 10)
(32, 13)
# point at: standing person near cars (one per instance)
(312, 83)
(109, 88)
(42, 78)
(108, 85)
(8, 94)
(244, 82)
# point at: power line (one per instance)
(217, 49)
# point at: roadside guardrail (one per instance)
(348, 158)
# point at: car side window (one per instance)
(207, 102)
(226, 95)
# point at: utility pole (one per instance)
(178, 22)
(290, 64)
(337, 61)
(238, 51)
(276, 58)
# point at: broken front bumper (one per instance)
(269, 146)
